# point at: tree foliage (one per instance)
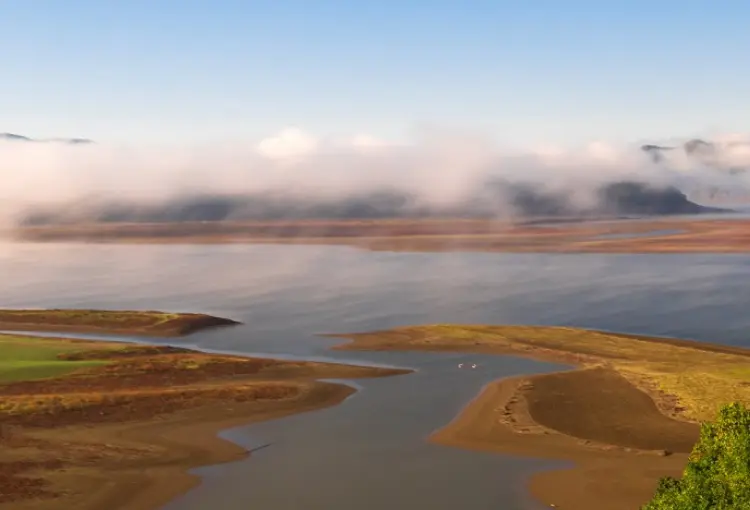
(717, 476)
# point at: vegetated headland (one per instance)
(142, 323)
(540, 235)
(626, 416)
(98, 425)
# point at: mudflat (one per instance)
(599, 404)
(102, 425)
(145, 323)
(552, 235)
(626, 416)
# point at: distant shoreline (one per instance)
(142, 323)
(552, 235)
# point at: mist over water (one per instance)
(293, 174)
(370, 452)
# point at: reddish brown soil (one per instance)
(17, 485)
(125, 352)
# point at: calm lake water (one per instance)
(370, 453)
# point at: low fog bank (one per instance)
(495, 200)
(296, 176)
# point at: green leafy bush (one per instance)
(717, 476)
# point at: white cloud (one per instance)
(365, 141)
(731, 138)
(290, 143)
(602, 151)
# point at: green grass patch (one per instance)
(25, 358)
(33, 370)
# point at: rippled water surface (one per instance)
(370, 453)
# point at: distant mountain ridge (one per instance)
(12, 137)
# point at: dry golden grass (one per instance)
(701, 377)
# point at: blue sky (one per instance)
(525, 71)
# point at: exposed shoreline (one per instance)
(193, 442)
(613, 235)
(136, 454)
(625, 415)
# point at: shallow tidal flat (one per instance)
(631, 406)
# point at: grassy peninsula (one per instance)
(145, 323)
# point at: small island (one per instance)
(85, 424)
(142, 323)
(627, 413)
